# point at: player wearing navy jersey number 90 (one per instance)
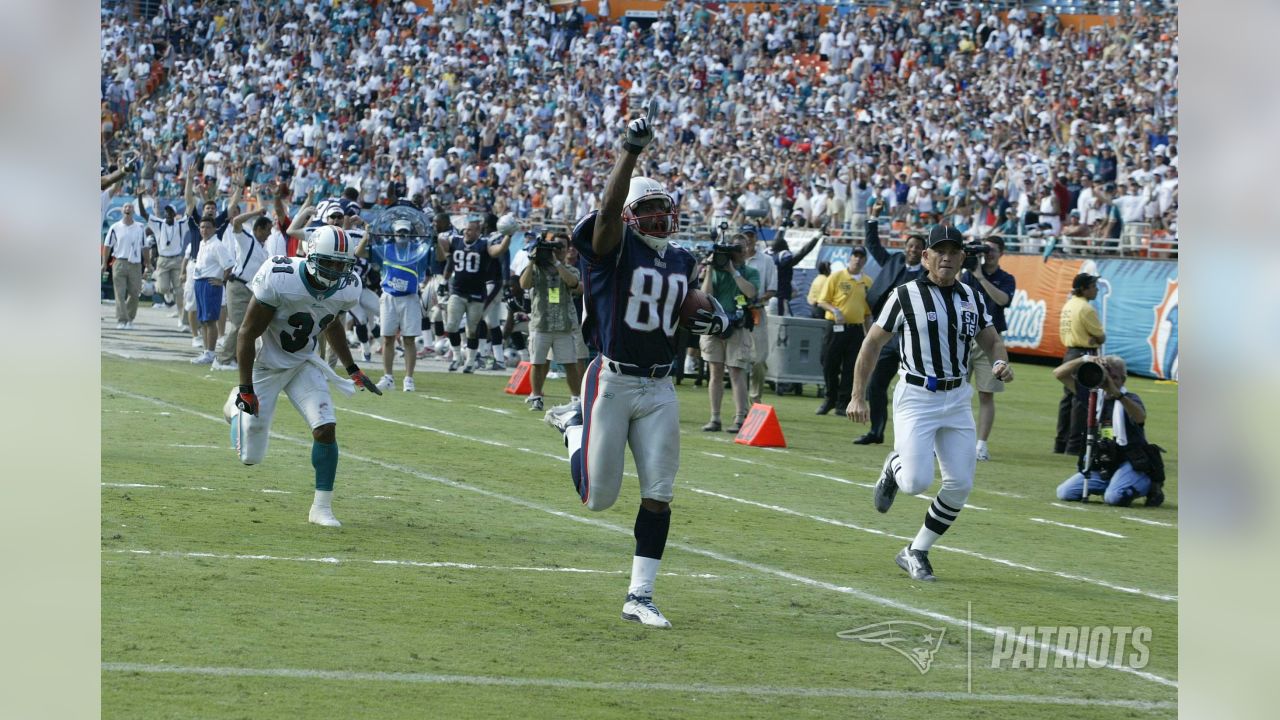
(634, 281)
(294, 302)
(471, 259)
(938, 318)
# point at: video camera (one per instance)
(544, 252)
(975, 253)
(722, 253)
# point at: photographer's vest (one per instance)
(552, 303)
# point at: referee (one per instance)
(937, 317)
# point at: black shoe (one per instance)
(869, 439)
(916, 563)
(886, 486)
(1155, 496)
(824, 408)
(1059, 449)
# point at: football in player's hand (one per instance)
(694, 300)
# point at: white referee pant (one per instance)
(925, 423)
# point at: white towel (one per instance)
(347, 387)
(1118, 430)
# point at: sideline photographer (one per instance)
(982, 272)
(552, 318)
(1117, 459)
(733, 283)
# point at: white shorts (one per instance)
(401, 314)
(980, 371)
(494, 314)
(559, 344)
(307, 389)
(432, 307)
(367, 310)
(189, 291)
(581, 344)
(734, 352)
(459, 309)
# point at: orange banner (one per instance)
(1043, 288)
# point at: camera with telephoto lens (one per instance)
(1091, 374)
(975, 253)
(544, 252)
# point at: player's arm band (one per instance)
(352, 369)
(246, 389)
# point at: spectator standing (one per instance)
(817, 287)
(759, 308)
(125, 250)
(165, 235)
(1081, 333)
(845, 300)
(996, 286)
(732, 282)
(249, 252)
(786, 262)
(209, 270)
(551, 283)
(895, 270)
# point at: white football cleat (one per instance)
(642, 610)
(322, 516)
(230, 365)
(204, 358)
(386, 383)
(983, 455)
(408, 384)
(563, 417)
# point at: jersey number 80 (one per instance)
(655, 299)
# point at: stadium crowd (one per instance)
(1024, 125)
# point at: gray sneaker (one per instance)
(886, 486)
(916, 563)
(535, 403)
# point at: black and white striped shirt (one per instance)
(937, 325)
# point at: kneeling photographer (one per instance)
(1117, 460)
(552, 318)
(733, 283)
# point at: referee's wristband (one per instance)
(352, 369)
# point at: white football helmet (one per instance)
(653, 224)
(330, 256)
(508, 224)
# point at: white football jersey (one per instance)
(294, 333)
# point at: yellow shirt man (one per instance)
(847, 293)
(1078, 326)
(816, 288)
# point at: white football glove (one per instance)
(710, 322)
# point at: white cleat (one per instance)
(983, 455)
(386, 383)
(204, 358)
(322, 516)
(230, 365)
(642, 610)
(563, 417)
(408, 385)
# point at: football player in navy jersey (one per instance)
(471, 259)
(634, 281)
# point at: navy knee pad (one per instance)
(473, 343)
(455, 339)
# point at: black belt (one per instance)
(1085, 349)
(941, 383)
(652, 371)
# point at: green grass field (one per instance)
(468, 581)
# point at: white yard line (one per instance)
(970, 553)
(492, 410)
(693, 549)
(1081, 528)
(397, 563)
(1067, 507)
(1145, 521)
(646, 687)
(436, 398)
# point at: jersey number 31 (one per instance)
(654, 300)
